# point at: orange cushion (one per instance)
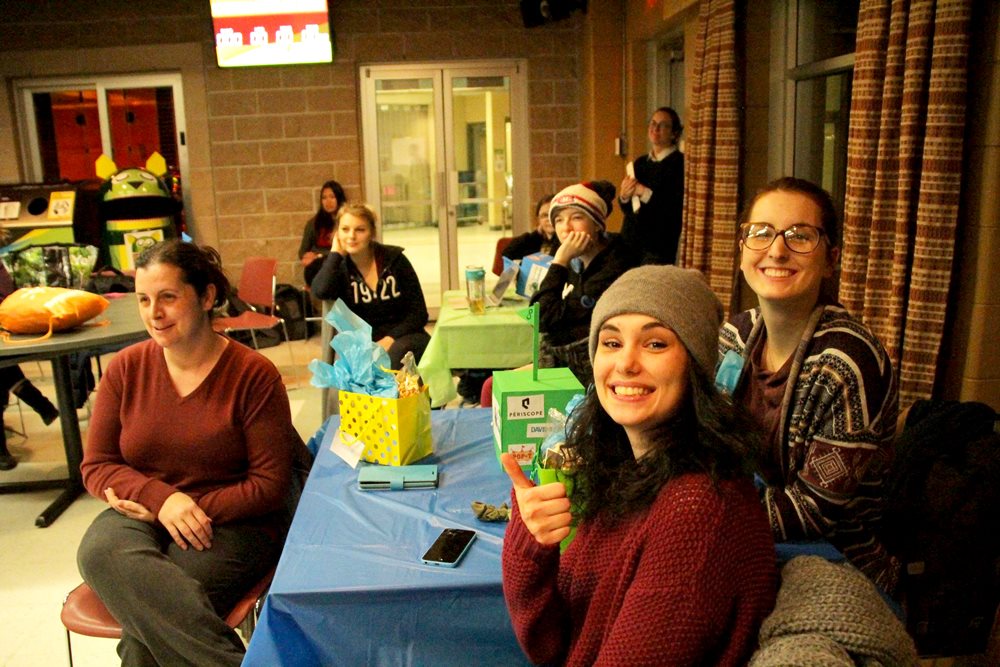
(30, 310)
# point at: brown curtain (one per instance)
(712, 157)
(904, 164)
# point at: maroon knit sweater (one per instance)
(229, 444)
(687, 581)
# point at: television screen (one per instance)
(249, 33)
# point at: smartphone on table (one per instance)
(449, 547)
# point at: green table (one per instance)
(500, 338)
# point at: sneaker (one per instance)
(7, 462)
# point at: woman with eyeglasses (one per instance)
(652, 193)
(816, 379)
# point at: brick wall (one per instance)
(275, 134)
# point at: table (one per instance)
(350, 588)
(124, 327)
(499, 338)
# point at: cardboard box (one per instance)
(521, 407)
(532, 273)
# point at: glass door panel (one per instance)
(407, 159)
(69, 134)
(141, 122)
(480, 166)
(439, 163)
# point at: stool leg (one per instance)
(69, 648)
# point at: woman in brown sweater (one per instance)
(191, 444)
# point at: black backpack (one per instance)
(291, 305)
(942, 519)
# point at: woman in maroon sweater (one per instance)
(191, 444)
(673, 561)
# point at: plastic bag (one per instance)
(43, 310)
(54, 265)
(550, 453)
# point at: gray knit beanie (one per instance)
(679, 298)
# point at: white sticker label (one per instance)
(523, 454)
(540, 430)
(526, 407)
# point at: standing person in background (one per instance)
(652, 193)
(317, 236)
(673, 561)
(377, 282)
(542, 239)
(817, 380)
(192, 445)
(587, 261)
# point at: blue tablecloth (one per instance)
(350, 588)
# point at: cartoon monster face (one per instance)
(134, 182)
(144, 243)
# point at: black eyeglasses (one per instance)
(800, 238)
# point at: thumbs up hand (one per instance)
(544, 509)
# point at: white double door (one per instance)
(445, 149)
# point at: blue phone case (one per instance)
(397, 478)
(449, 548)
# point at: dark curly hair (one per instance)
(200, 266)
(706, 435)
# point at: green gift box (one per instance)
(521, 404)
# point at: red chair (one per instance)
(502, 244)
(85, 614)
(256, 288)
(486, 395)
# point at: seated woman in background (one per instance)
(377, 283)
(673, 561)
(587, 261)
(542, 239)
(192, 445)
(816, 379)
(12, 379)
(317, 236)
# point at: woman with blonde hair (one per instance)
(377, 282)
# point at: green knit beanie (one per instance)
(678, 298)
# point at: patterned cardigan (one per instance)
(838, 419)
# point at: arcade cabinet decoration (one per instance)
(37, 214)
(138, 208)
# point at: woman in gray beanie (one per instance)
(673, 561)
